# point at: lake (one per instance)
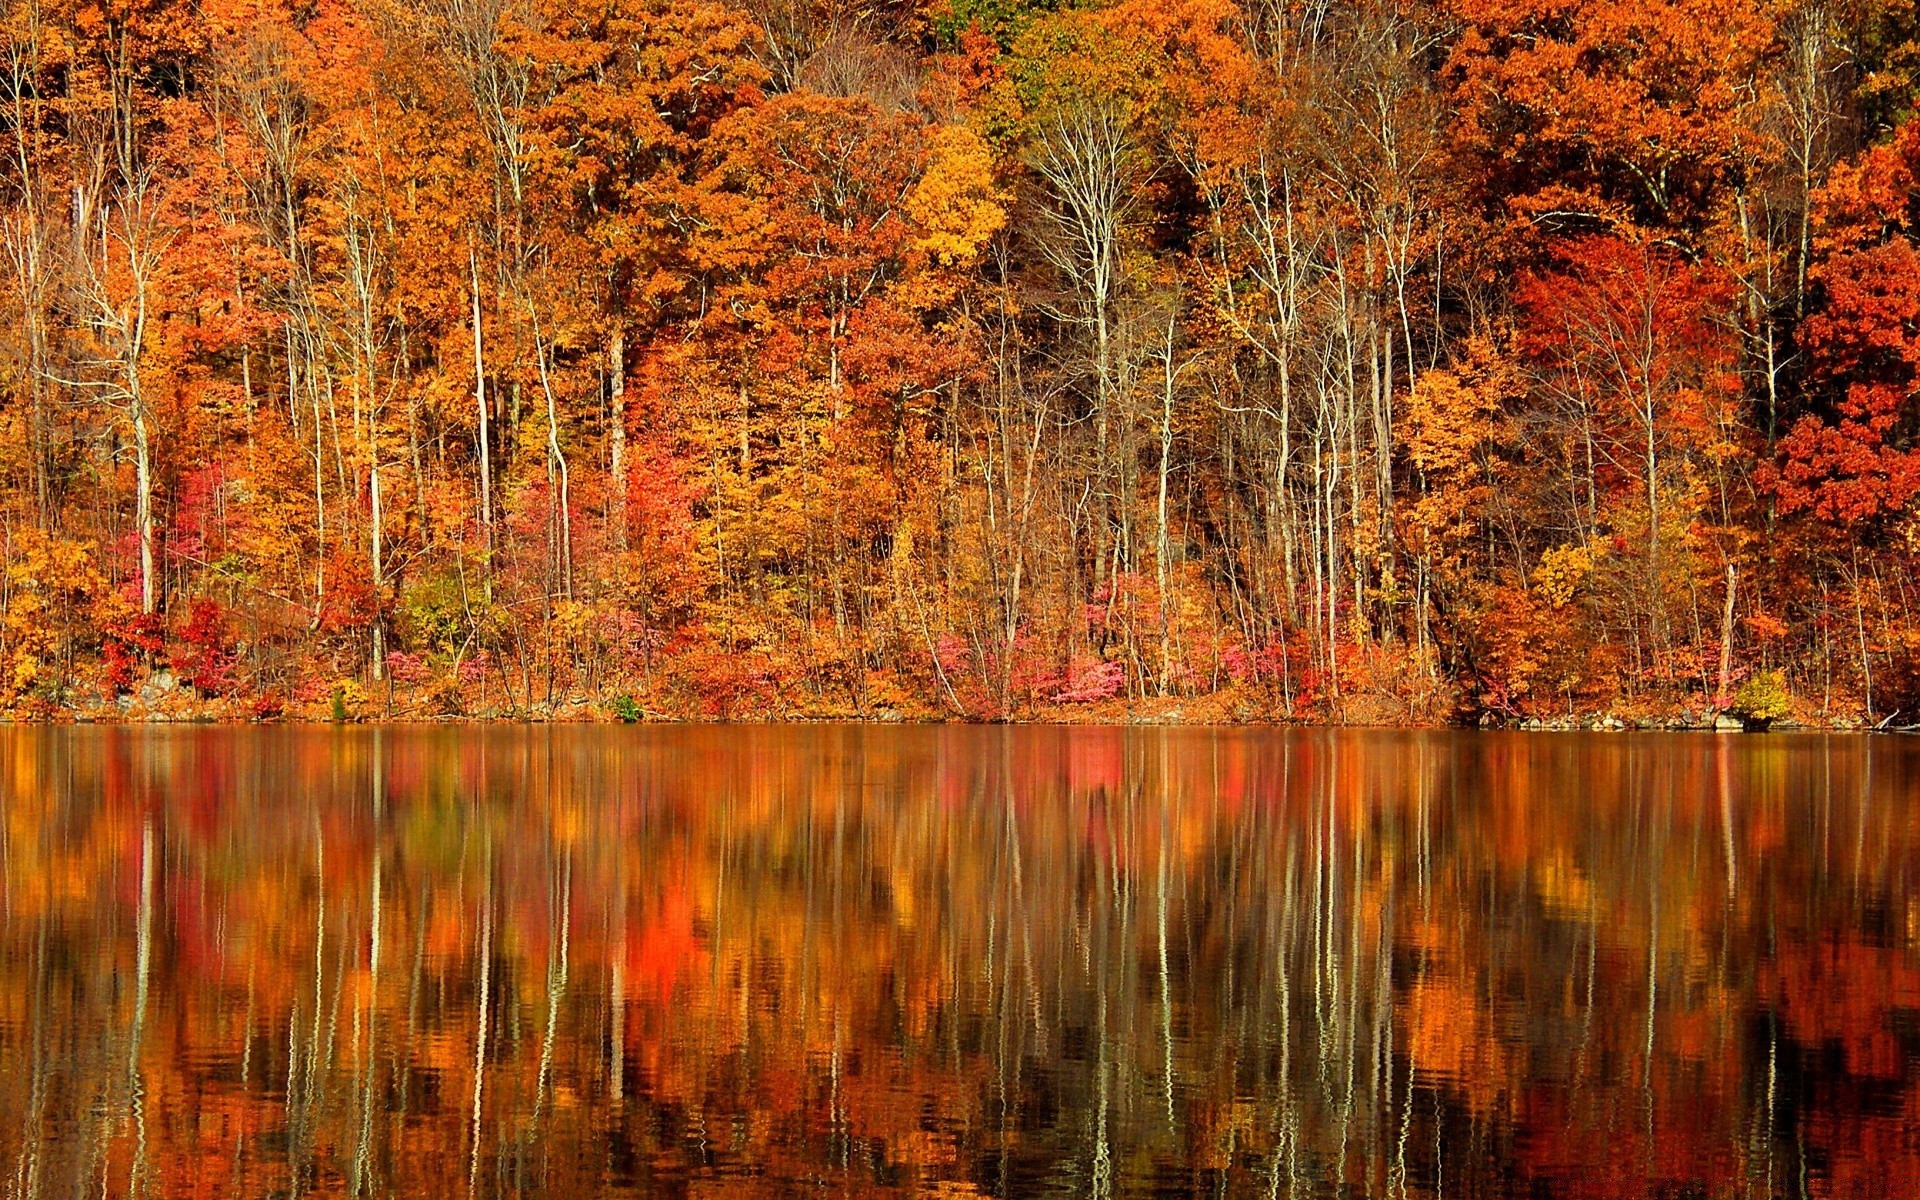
(859, 960)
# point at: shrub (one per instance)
(1092, 682)
(1763, 697)
(410, 669)
(348, 697)
(209, 661)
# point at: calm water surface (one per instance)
(866, 961)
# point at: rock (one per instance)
(1728, 724)
(158, 686)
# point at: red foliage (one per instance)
(1633, 334)
(407, 668)
(1854, 459)
(351, 604)
(129, 644)
(723, 681)
(209, 661)
(1091, 681)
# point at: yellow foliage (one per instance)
(955, 203)
(573, 620)
(1764, 697)
(50, 581)
(1452, 414)
(349, 698)
(901, 560)
(1442, 413)
(1561, 571)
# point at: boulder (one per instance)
(158, 686)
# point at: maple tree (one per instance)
(1851, 458)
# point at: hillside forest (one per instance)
(1389, 361)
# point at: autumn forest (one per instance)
(1389, 361)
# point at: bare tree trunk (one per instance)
(617, 436)
(379, 575)
(1085, 155)
(480, 406)
(143, 503)
(557, 458)
(1163, 542)
(319, 498)
(1721, 698)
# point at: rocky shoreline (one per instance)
(163, 698)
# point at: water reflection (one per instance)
(957, 961)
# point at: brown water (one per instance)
(869, 961)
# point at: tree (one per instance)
(1631, 356)
(1851, 460)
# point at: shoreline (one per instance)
(163, 698)
(1599, 724)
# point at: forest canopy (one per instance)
(1376, 361)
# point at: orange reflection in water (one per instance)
(957, 961)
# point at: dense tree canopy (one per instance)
(1370, 361)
